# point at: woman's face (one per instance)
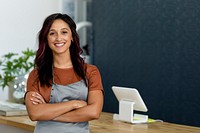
(59, 37)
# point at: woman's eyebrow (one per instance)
(60, 29)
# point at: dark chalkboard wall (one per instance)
(154, 46)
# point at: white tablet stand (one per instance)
(126, 107)
(126, 113)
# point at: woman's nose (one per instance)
(58, 37)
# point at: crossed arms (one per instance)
(70, 111)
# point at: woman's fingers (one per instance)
(36, 101)
(81, 103)
(37, 98)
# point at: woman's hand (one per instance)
(79, 103)
(36, 98)
(39, 110)
(86, 113)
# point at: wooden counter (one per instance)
(107, 125)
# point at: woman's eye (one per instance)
(51, 33)
(64, 32)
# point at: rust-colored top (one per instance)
(65, 77)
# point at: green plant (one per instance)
(13, 64)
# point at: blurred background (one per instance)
(151, 45)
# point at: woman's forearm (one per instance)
(83, 114)
(90, 112)
(46, 111)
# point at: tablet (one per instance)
(130, 94)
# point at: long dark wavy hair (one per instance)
(44, 55)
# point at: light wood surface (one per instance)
(107, 125)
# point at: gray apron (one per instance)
(60, 93)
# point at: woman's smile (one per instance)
(60, 37)
(59, 44)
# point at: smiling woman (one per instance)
(63, 92)
(60, 37)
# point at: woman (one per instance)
(63, 92)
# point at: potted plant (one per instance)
(13, 68)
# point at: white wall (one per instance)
(20, 21)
